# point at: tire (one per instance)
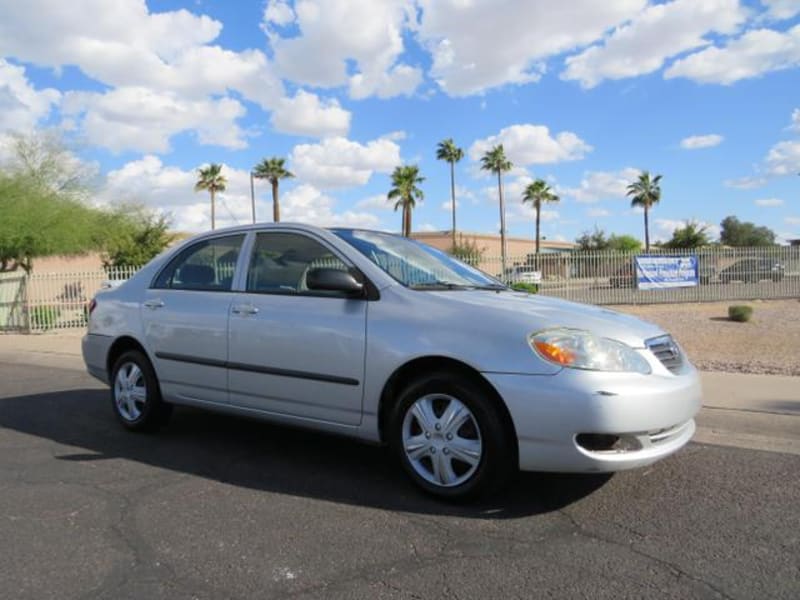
(473, 457)
(136, 395)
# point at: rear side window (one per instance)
(207, 266)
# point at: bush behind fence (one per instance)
(53, 301)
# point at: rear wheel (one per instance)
(450, 439)
(135, 393)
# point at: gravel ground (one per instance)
(768, 344)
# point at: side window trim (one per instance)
(239, 284)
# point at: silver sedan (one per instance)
(382, 338)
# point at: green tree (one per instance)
(140, 235)
(38, 221)
(645, 192)
(734, 232)
(211, 178)
(495, 161)
(273, 169)
(590, 241)
(538, 193)
(448, 151)
(405, 192)
(467, 250)
(596, 241)
(691, 235)
(624, 243)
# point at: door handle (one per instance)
(154, 304)
(244, 309)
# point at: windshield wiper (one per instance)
(446, 285)
(439, 285)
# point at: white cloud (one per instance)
(306, 204)
(305, 114)
(781, 9)
(792, 220)
(602, 185)
(447, 205)
(144, 120)
(598, 212)
(278, 12)
(659, 32)
(170, 190)
(795, 126)
(746, 183)
(334, 32)
(480, 44)
(339, 162)
(527, 144)
(769, 202)
(753, 54)
(696, 142)
(400, 80)
(21, 105)
(375, 202)
(783, 159)
(123, 44)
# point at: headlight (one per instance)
(581, 350)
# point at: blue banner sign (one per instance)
(659, 272)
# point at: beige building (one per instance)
(518, 249)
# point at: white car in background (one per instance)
(382, 338)
(524, 274)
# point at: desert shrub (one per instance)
(740, 313)
(530, 288)
(44, 317)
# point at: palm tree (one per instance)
(274, 170)
(405, 192)
(538, 193)
(211, 178)
(495, 160)
(645, 192)
(448, 151)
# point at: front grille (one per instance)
(668, 352)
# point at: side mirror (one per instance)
(333, 280)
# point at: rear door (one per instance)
(185, 317)
(293, 351)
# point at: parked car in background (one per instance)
(381, 338)
(523, 274)
(752, 270)
(624, 277)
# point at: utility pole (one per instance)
(252, 197)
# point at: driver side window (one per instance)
(281, 261)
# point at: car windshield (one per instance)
(416, 265)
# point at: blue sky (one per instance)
(581, 93)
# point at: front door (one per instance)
(296, 352)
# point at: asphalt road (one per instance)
(217, 507)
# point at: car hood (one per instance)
(542, 312)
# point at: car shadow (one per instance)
(261, 456)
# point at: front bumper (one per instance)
(652, 413)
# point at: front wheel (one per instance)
(135, 393)
(450, 439)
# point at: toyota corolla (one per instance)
(379, 337)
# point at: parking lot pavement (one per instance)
(217, 507)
